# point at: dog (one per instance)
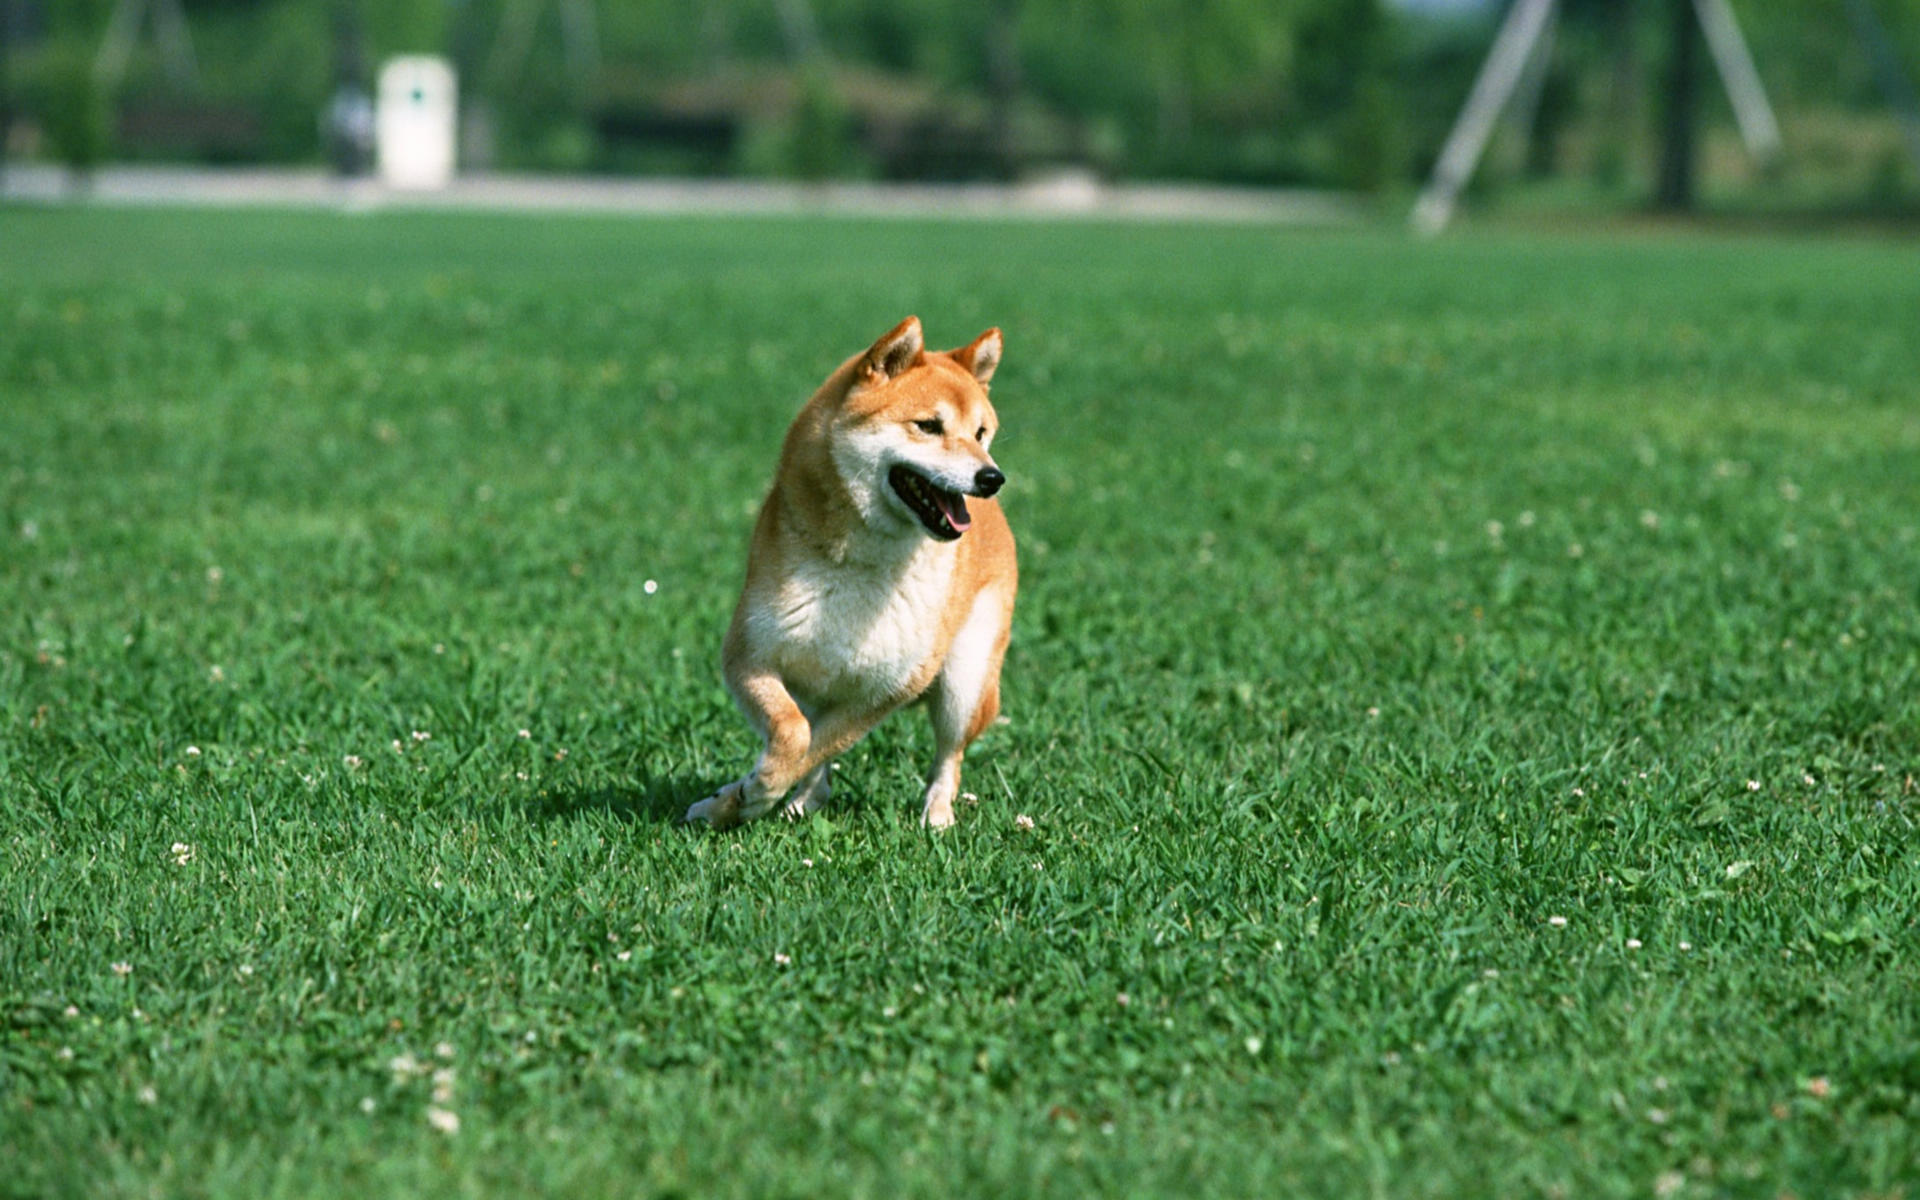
(881, 572)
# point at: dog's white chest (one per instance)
(849, 633)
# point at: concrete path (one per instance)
(1063, 196)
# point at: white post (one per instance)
(1491, 90)
(1751, 111)
(414, 122)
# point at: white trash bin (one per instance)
(415, 122)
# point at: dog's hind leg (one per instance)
(810, 794)
(963, 701)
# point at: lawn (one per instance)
(1466, 696)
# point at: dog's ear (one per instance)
(981, 355)
(894, 353)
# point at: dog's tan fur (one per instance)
(852, 607)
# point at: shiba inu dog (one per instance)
(881, 572)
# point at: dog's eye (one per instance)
(981, 436)
(930, 425)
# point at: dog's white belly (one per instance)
(859, 636)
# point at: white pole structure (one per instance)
(1532, 88)
(1751, 111)
(518, 23)
(123, 30)
(1886, 69)
(1491, 90)
(1508, 61)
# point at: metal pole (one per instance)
(1491, 90)
(1751, 111)
(1886, 69)
(123, 27)
(1524, 109)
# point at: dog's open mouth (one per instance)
(944, 513)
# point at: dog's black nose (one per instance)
(988, 481)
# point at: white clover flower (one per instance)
(444, 1120)
(1557, 922)
(1023, 822)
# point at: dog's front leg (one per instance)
(795, 748)
(778, 719)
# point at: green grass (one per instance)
(1383, 605)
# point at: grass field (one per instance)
(1467, 698)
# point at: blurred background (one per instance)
(1614, 104)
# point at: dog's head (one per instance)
(911, 435)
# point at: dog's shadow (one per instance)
(659, 801)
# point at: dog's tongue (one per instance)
(955, 506)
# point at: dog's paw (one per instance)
(937, 814)
(804, 805)
(811, 796)
(720, 810)
(936, 810)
